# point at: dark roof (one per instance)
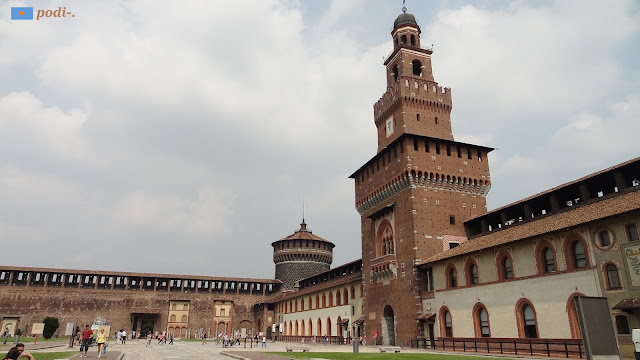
(425, 317)
(303, 234)
(627, 304)
(410, 135)
(581, 215)
(405, 19)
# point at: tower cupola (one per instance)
(406, 31)
(301, 255)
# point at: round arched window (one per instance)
(579, 256)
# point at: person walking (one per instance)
(149, 339)
(264, 341)
(101, 341)
(124, 336)
(171, 339)
(86, 341)
(204, 338)
(6, 335)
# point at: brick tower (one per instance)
(300, 255)
(415, 193)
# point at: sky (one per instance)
(184, 137)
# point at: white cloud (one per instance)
(27, 126)
(207, 213)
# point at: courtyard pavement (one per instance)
(194, 350)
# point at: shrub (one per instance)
(51, 324)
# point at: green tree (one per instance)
(51, 324)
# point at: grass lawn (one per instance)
(374, 356)
(53, 355)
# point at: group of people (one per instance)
(121, 336)
(87, 338)
(161, 337)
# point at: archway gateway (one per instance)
(388, 326)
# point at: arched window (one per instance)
(184, 318)
(345, 295)
(338, 298)
(384, 239)
(622, 325)
(317, 301)
(353, 292)
(447, 325)
(575, 248)
(579, 256)
(296, 305)
(548, 261)
(605, 239)
(452, 276)
(302, 328)
(185, 307)
(413, 40)
(574, 325)
(302, 304)
(472, 273)
(527, 320)
(328, 326)
(395, 70)
(330, 299)
(297, 329)
(417, 67)
(507, 268)
(632, 232)
(172, 318)
(324, 301)
(504, 265)
(481, 319)
(310, 327)
(613, 279)
(174, 307)
(310, 303)
(403, 38)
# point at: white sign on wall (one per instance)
(70, 330)
(37, 328)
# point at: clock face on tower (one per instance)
(389, 126)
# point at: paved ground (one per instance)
(192, 350)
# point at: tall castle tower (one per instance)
(301, 255)
(415, 193)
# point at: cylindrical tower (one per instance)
(301, 255)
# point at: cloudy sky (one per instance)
(183, 137)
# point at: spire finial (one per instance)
(303, 226)
(404, 8)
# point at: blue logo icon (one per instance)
(22, 13)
